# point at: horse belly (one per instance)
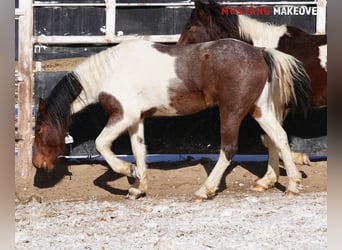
(188, 102)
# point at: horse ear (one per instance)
(200, 8)
(198, 4)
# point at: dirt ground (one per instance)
(165, 179)
(83, 207)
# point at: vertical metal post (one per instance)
(110, 18)
(321, 16)
(25, 89)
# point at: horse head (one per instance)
(49, 140)
(207, 23)
(195, 29)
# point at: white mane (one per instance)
(95, 70)
(260, 33)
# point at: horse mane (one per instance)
(249, 29)
(58, 103)
(262, 34)
(228, 23)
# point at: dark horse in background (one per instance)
(137, 79)
(207, 23)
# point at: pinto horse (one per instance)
(207, 23)
(137, 78)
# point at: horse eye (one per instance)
(188, 26)
(39, 130)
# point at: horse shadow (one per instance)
(44, 180)
(48, 180)
(256, 168)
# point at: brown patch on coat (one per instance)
(255, 111)
(215, 73)
(147, 113)
(112, 107)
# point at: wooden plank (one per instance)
(321, 17)
(101, 39)
(24, 158)
(110, 18)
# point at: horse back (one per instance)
(225, 71)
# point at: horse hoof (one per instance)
(301, 159)
(306, 160)
(258, 188)
(134, 197)
(290, 194)
(134, 194)
(198, 199)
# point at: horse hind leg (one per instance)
(136, 133)
(298, 157)
(272, 174)
(274, 130)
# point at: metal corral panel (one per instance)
(141, 20)
(197, 133)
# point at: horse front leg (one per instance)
(229, 141)
(136, 133)
(103, 145)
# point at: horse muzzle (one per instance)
(44, 166)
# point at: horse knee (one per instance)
(101, 145)
(230, 150)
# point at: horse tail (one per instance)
(290, 84)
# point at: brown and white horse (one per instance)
(138, 78)
(208, 23)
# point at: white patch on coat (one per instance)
(272, 127)
(134, 72)
(260, 33)
(323, 56)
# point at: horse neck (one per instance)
(92, 73)
(58, 104)
(259, 33)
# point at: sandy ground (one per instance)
(83, 207)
